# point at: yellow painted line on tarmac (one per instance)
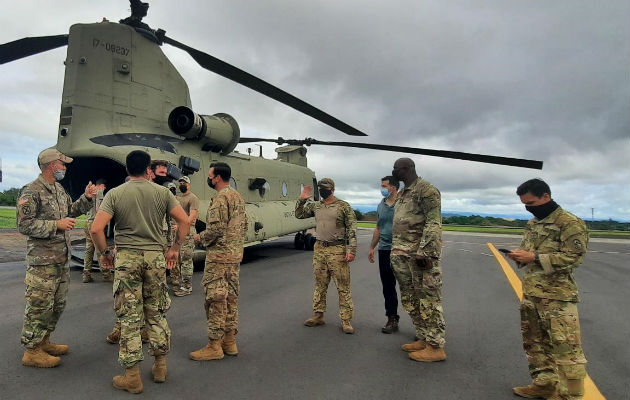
(591, 392)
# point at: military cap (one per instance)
(184, 178)
(326, 183)
(50, 155)
(170, 185)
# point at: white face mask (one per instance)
(59, 174)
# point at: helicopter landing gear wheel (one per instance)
(298, 242)
(309, 242)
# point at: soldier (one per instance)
(140, 291)
(89, 245)
(554, 243)
(45, 213)
(415, 258)
(169, 228)
(383, 237)
(335, 248)
(226, 226)
(190, 203)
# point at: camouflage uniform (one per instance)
(226, 226)
(88, 259)
(336, 228)
(140, 293)
(185, 263)
(417, 231)
(39, 206)
(549, 315)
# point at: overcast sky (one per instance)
(529, 79)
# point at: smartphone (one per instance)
(505, 251)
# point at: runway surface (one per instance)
(282, 359)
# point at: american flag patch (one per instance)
(22, 200)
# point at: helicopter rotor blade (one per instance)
(29, 46)
(246, 79)
(509, 161)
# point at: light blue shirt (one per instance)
(384, 224)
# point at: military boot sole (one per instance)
(526, 392)
(29, 362)
(130, 390)
(231, 354)
(205, 358)
(312, 323)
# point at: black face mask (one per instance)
(324, 193)
(183, 188)
(160, 180)
(212, 185)
(542, 211)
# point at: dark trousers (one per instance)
(389, 283)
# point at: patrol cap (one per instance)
(170, 185)
(50, 155)
(184, 178)
(326, 183)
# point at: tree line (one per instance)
(477, 220)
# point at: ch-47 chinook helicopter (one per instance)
(121, 93)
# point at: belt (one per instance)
(327, 244)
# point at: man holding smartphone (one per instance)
(554, 243)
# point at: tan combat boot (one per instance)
(130, 382)
(535, 391)
(229, 344)
(212, 351)
(114, 336)
(428, 354)
(54, 349)
(159, 369)
(316, 319)
(36, 357)
(87, 277)
(346, 327)
(415, 346)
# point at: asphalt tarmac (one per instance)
(279, 358)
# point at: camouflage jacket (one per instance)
(226, 226)
(417, 226)
(560, 241)
(342, 228)
(39, 207)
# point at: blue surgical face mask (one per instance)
(385, 192)
(59, 174)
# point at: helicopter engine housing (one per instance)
(218, 133)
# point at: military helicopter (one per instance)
(122, 93)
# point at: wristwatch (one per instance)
(106, 252)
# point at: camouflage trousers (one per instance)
(329, 262)
(552, 341)
(46, 290)
(185, 262)
(88, 259)
(140, 293)
(421, 297)
(221, 284)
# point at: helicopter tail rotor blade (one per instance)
(509, 161)
(25, 47)
(246, 79)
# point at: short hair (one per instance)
(392, 181)
(222, 169)
(137, 162)
(535, 186)
(156, 163)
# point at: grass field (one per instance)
(513, 231)
(7, 219)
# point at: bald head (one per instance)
(405, 170)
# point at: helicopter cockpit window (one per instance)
(285, 189)
(233, 183)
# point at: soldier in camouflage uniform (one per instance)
(224, 236)
(89, 245)
(45, 213)
(140, 291)
(554, 243)
(190, 203)
(336, 247)
(415, 259)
